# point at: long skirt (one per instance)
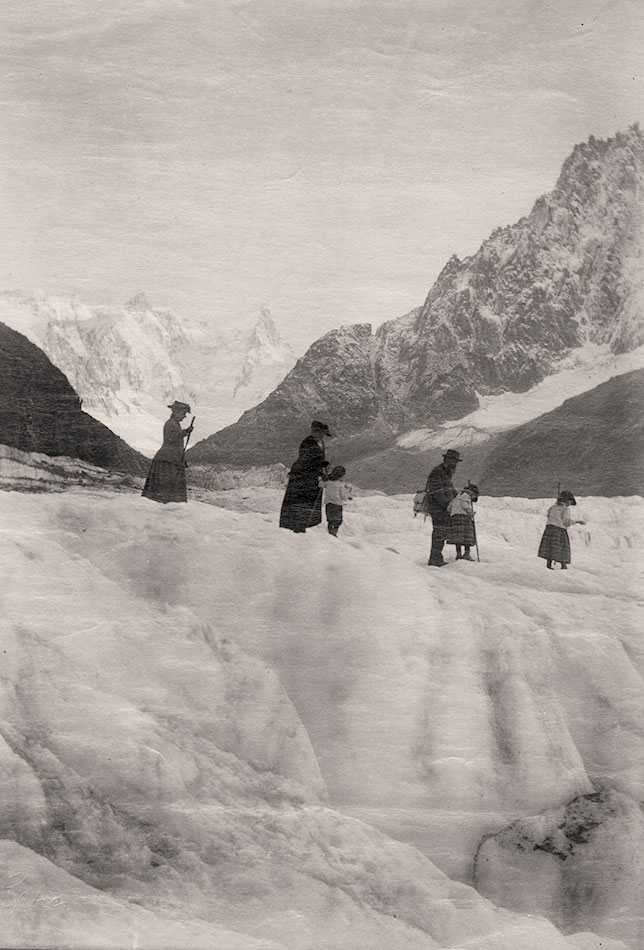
(555, 544)
(166, 482)
(302, 505)
(461, 531)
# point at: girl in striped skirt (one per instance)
(461, 521)
(555, 543)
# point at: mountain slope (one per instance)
(593, 443)
(40, 412)
(565, 276)
(340, 363)
(128, 363)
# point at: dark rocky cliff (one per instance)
(40, 412)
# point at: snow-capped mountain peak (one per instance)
(266, 355)
(265, 334)
(138, 303)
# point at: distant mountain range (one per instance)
(127, 363)
(41, 412)
(565, 281)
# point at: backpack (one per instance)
(421, 503)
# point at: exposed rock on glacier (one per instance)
(579, 865)
(269, 476)
(33, 471)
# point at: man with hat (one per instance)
(440, 491)
(302, 505)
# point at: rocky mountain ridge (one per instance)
(566, 275)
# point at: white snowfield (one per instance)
(215, 733)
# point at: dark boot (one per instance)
(549, 565)
(436, 554)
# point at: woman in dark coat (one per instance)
(166, 479)
(302, 505)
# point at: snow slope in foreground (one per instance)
(182, 684)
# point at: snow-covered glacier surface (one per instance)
(214, 733)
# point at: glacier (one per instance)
(579, 371)
(214, 733)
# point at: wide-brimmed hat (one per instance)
(567, 497)
(179, 406)
(321, 427)
(452, 455)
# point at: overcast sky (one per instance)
(323, 158)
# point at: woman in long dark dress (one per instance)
(302, 505)
(166, 479)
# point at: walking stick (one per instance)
(189, 434)
(315, 504)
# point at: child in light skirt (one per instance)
(335, 494)
(555, 543)
(461, 521)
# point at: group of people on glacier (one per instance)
(452, 514)
(311, 486)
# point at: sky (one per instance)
(196, 706)
(323, 158)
